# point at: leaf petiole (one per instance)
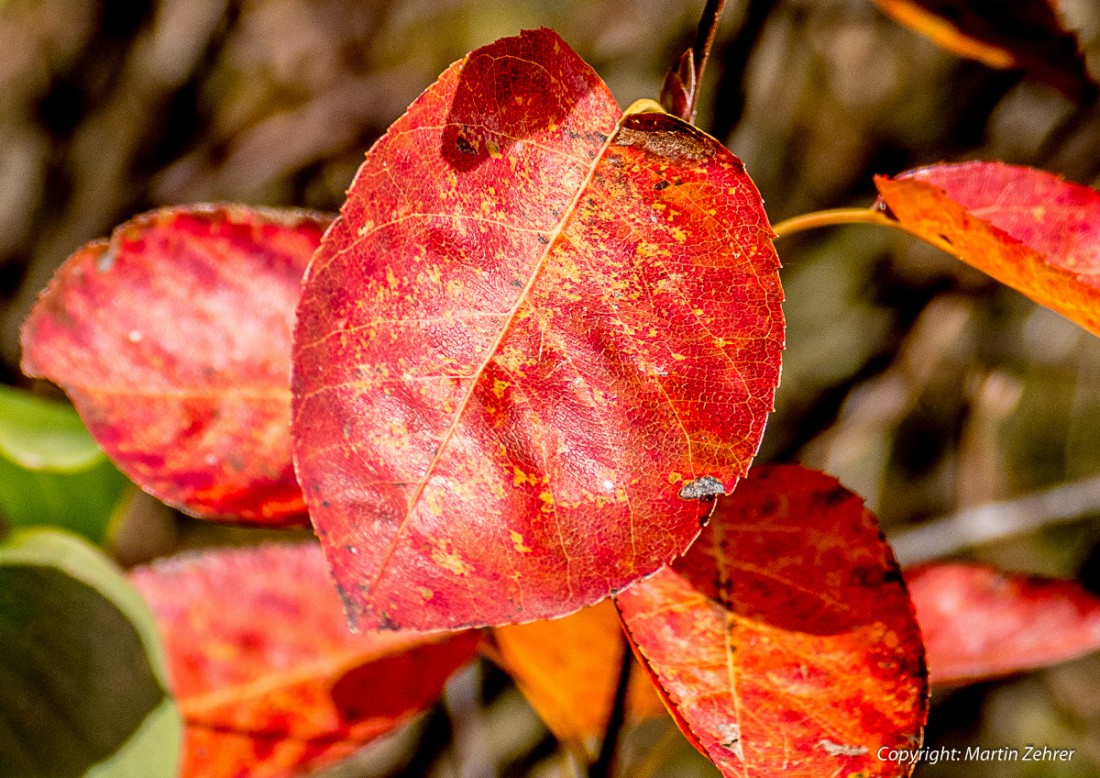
(836, 217)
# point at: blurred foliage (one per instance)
(51, 471)
(914, 379)
(85, 684)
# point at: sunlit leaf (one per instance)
(1025, 34)
(269, 679)
(784, 640)
(173, 341)
(1027, 228)
(568, 669)
(51, 471)
(82, 675)
(981, 623)
(540, 338)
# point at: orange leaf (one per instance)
(538, 335)
(568, 669)
(1025, 34)
(268, 678)
(981, 623)
(173, 341)
(1027, 228)
(784, 640)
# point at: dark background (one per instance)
(919, 382)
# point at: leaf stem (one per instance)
(836, 217)
(831, 218)
(604, 766)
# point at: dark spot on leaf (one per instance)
(705, 489)
(324, 503)
(835, 496)
(543, 239)
(350, 605)
(666, 137)
(464, 145)
(661, 185)
(892, 575)
(387, 623)
(679, 182)
(516, 283)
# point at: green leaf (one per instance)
(81, 667)
(51, 471)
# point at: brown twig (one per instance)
(681, 88)
(604, 766)
(996, 521)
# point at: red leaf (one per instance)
(568, 670)
(784, 640)
(1027, 228)
(532, 327)
(981, 623)
(268, 678)
(1025, 34)
(173, 341)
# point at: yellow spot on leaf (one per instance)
(675, 478)
(444, 555)
(517, 543)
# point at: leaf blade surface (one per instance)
(268, 678)
(1027, 228)
(532, 326)
(982, 623)
(568, 670)
(173, 341)
(85, 680)
(784, 641)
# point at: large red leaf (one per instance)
(535, 339)
(982, 623)
(173, 341)
(1026, 34)
(785, 641)
(568, 669)
(268, 678)
(1027, 228)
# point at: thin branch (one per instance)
(604, 766)
(995, 521)
(704, 39)
(680, 92)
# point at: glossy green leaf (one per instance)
(51, 471)
(81, 667)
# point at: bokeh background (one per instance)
(918, 382)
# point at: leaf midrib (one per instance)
(553, 238)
